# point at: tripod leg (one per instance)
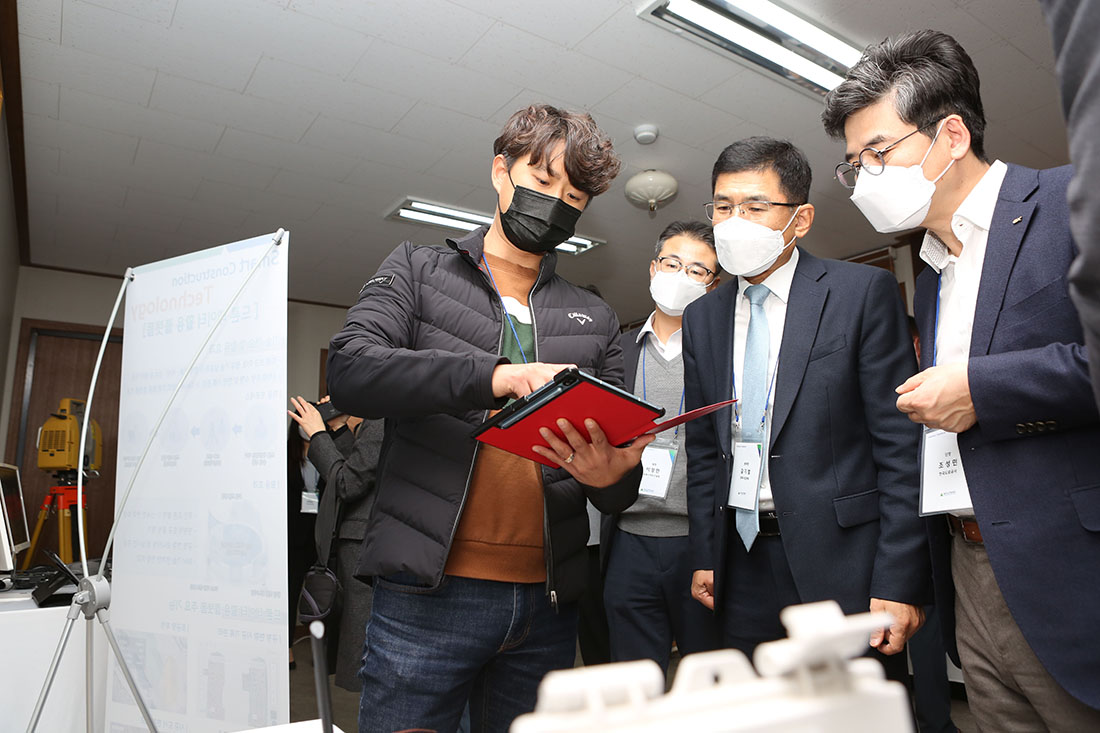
(74, 611)
(104, 621)
(43, 513)
(65, 533)
(89, 675)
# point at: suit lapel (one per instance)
(719, 340)
(924, 310)
(804, 306)
(631, 351)
(1011, 218)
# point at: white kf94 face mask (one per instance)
(899, 197)
(672, 291)
(746, 248)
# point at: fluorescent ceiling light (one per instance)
(449, 217)
(765, 33)
(786, 21)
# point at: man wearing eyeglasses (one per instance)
(806, 490)
(1009, 463)
(647, 581)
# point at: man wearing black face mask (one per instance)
(478, 556)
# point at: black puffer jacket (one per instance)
(419, 350)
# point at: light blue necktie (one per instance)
(754, 397)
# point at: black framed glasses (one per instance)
(752, 210)
(871, 160)
(671, 264)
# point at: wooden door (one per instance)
(55, 360)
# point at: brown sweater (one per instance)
(500, 533)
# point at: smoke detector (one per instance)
(646, 134)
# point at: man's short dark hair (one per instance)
(589, 158)
(697, 230)
(766, 153)
(931, 76)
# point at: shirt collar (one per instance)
(779, 282)
(648, 328)
(976, 211)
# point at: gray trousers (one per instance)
(1008, 688)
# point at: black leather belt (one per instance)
(769, 524)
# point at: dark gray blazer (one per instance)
(1032, 461)
(842, 459)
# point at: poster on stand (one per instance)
(199, 588)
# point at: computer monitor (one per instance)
(15, 536)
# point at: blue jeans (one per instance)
(429, 651)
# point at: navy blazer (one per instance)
(1032, 461)
(842, 459)
(632, 350)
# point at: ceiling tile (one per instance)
(434, 27)
(88, 166)
(132, 119)
(1012, 83)
(314, 92)
(542, 66)
(200, 56)
(787, 112)
(88, 72)
(253, 200)
(153, 156)
(215, 213)
(408, 72)
(41, 19)
(40, 98)
(79, 138)
(220, 106)
(268, 151)
(154, 11)
(563, 21)
(680, 118)
(1045, 129)
(428, 123)
(256, 27)
(639, 47)
(349, 139)
(1020, 22)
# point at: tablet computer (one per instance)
(575, 396)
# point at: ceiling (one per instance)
(158, 127)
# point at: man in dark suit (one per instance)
(808, 491)
(647, 581)
(1004, 388)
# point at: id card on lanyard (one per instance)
(658, 457)
(748, 457)
(943, 487)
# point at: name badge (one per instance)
(310, 500)
(657, 462)
(943, 487)
(745, 484)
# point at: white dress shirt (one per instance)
(775, 308)
(668, 350)
(960, 276)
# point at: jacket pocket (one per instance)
(1087, 503)
(856, 509)
(828, 347)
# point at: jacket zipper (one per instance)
(477, 447)
(549, 549)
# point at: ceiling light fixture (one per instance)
(650, 188)
(450, 217)
(763, 33)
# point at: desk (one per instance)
(28, 639)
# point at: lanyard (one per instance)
(504, 308)
(676, 430)
(767, 397)
(936, 328)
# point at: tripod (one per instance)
(64, 497)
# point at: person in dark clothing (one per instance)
(478, 556)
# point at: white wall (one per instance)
(52, 295)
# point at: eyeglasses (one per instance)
(871, 160)
(751, 210)
(668, 263)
